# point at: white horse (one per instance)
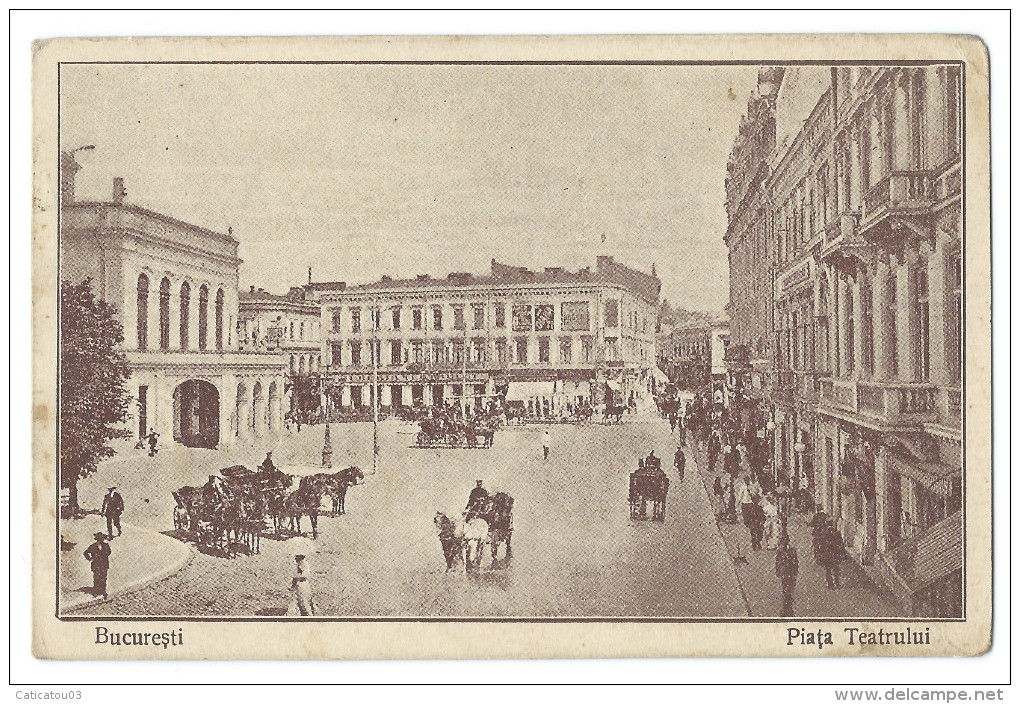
(476, 534)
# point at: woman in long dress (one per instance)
(303, 603)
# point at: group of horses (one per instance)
(487, 521)
(230, 512)
(455, 432)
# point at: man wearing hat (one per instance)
(477, 495)
(98, 554)
(113, 507)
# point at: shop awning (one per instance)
(936, 477)
(523, 390)
(930, 556)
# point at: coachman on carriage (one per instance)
(648, 484)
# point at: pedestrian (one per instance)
(546, 441)
(300, 586)
(714, 447)
(267, 465)
(743, 495)
(672, 422)
(98, 555)
(680, 461)
(832, 552)
(113, 507)
(153, 438)
(786, 570)
(680, 425)
(756, 524)
(772, 528)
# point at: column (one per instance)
(345, 395)
(856, 175)
(831, 330)
(905, 326)
(366, 395)
(934, 118)
(174, 331)
(228, 395)
(448, 392)
(881, 519)
(858, 315)
(839, 348)
(903, 125)
(405, 395)
(880, 310)
(427, 395)
(938, 320)
(242, 410)
(193, 318)
(846, 313)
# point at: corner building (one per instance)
(863, 215)
(174, 286)
(542, 338)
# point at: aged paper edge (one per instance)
(388, 639)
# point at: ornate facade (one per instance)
(865, 214)
(175, 287)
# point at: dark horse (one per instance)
(338, 483)
(614, 413)
(498, 511)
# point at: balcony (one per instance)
(887, 403)
(808, 384)
(842, 244)
(900, 194)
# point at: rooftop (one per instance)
(607, 270)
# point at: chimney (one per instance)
(252, 289)
(119, 192)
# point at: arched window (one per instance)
(219, 319)
(185, 310)
(164, 314)
(142, 317)
(203, 316)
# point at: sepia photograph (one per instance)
(523, 341)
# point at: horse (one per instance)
(614, 413)
(337, 484)
(468, 534)
(476, 533)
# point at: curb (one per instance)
(189, 554)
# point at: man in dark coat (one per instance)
(98, 554)
(680, 461)
(267, 465)
(113, 507)
(786, 569)
(832, 551)
(153, 438)
(756, 523)
(477, 495)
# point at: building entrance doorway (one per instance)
(197, 414)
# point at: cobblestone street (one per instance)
(576, 553)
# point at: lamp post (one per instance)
(798, 449)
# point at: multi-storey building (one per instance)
(543, 338)
(750, 238)
(174, 286)
(865, 208)
(287, 324)
(693, 353)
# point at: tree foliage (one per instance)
(93, 371)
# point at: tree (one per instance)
(93, 394)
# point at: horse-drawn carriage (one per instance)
(489, 519)
(230, 512)
(454, 433)
(649, 484)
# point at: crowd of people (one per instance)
(745, 488)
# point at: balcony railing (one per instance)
(899, 193)
(890, 403)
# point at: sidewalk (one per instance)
(138, 557)
(858, 597)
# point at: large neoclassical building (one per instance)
(175, 286)
(540, 338)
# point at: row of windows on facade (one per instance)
(896, 135)
(574, 316)
(476, 349)
(277, 332)
(304, 364)
(802, 341)
(184, 333)
(691, 349)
